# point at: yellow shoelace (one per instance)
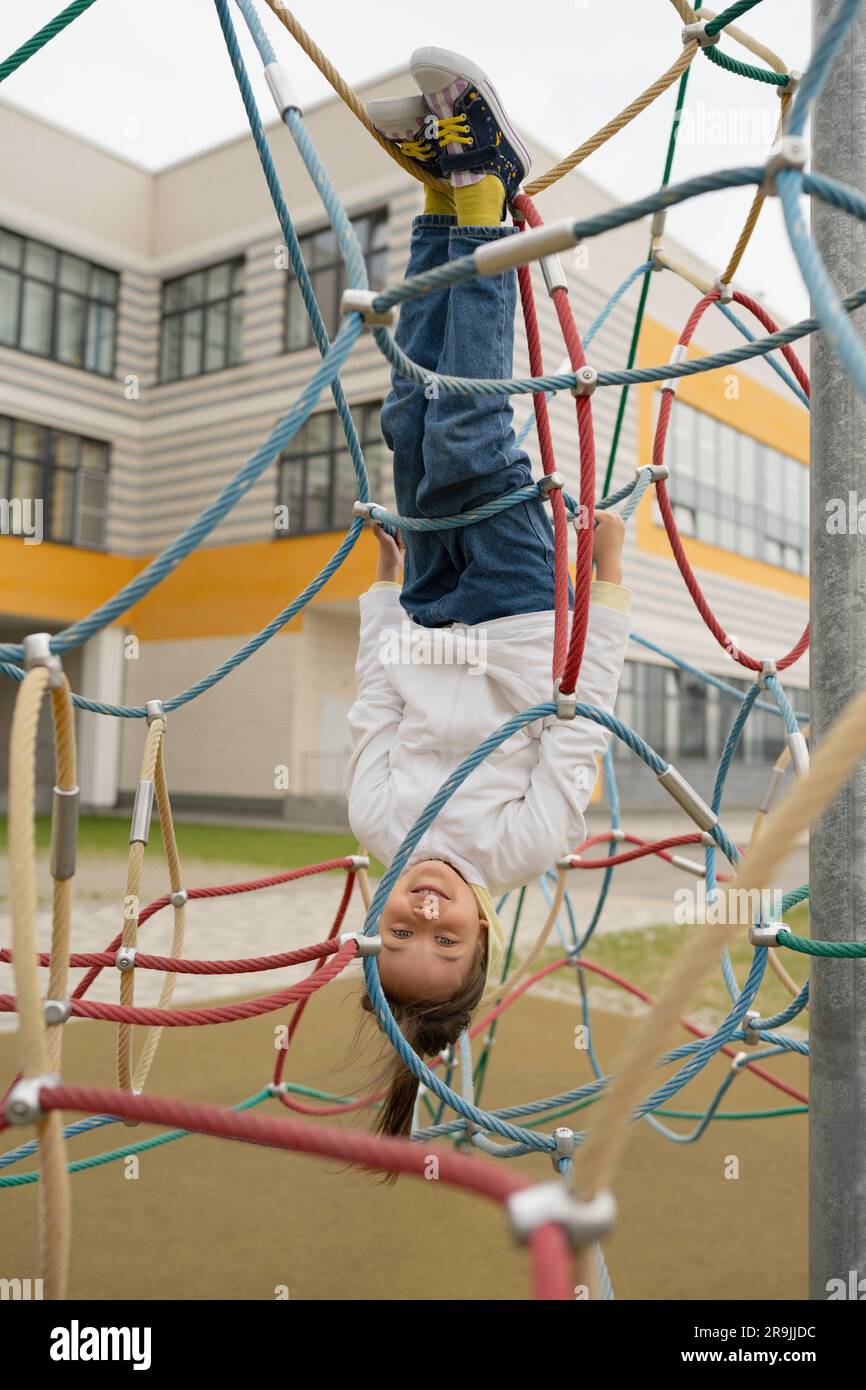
(417, 149)
(454, 128)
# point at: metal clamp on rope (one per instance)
(586, 380)
(506, 253)
(799, 753)
(276, 1088)
(179, 897)
(22, 1103)
(128, 1121)
(359, 861)
(697, 32)
(707, 838)
(361, 302)
(366, 509)
(790, 152)
(684, 793)
(564, 1146)
(125, 958)
(141, 812)
(554, 274)
(281, 89)
(657, 471)
(767, 934)
(567, 861)
(751, 1020)
(56, 1011)
(679, 354)
(566, 705)
(795, 77)
(772, 787)
(552, 1203)
(551, 482)
(367, 945)
(37, 652)
(64, 832)
(657, 231)
(768, 669)
(154, 711)
(725, 289)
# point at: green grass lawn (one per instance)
(268, 849)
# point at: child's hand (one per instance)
(607, 542)
(390, 560)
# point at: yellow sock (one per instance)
(439, 200)
(480, 204)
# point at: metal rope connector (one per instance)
(154, 711)
(359, 861)
(551, 1203)
(697, 33)
(64, 832)
(799, 752)
(554, 274)
(22, 1103)
(657, 471)
(365, 509)
(566, 705)
(564, 1146)
(56, 1011)
(725, 289)
(768, 669)
(679, 354)
(795, 77)
(281, 89)
(551, 482)
(586, 380)
(37, 652)
(179, 897)
(125, 958)
(685, 795)
(361, 302)
(751, 1022)
(367, 945)
(790, 152)
(142, 808)
(767, 934)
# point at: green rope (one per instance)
(724, 60)
(715, 26)
(842, 950)
(39, 40)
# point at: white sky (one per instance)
(150, 80)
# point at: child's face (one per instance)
(429, 929)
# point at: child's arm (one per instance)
(547, 821)
(378, 708)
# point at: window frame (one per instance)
(49, 470)
(237, 265)
(88, 297)
(336, 447)
(379, 214)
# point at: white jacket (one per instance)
(412, 724)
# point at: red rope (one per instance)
(179, 965)
(692, 583)
(550, 1260)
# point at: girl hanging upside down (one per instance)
(485, 591)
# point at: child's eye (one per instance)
(400, 931)
(445, 941)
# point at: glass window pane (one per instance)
(772, 466)
(345, 491)
(772, 552)
(10, 284)
(298, 330)
(36, 317)
(792, 471)
(216, 337)
(103, 284)
(291, 493)
(25, 479)
(748, 470)
(71, 313)
(707, 526)
(40, 260)
(5, 431)
(91, 528)
(169, 369)
(685, 519)
(93, 487)
(236, 329)
(318, 493)
(682, 440)
(62, 504)
(172, 296)
(326, 249)
(238, 275)
(219, 281)
(29, 439)
(99, 347)
(727, 455)
(65, 450)
(377, 269)
(191, 342)
(707, 450)
(11, 247)
(326, 284)
(74, 273)
(380, 232)
(192, 288)
(727, 535)
(94, 455)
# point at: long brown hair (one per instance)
(428, 1026)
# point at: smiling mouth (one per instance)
(429, 888)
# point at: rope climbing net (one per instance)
(574, 1211)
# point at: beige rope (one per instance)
(832, 764)
(780, 766)
(497, 992)
(746, 41)
(755, 210)
(35, 1060)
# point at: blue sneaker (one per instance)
(408, 123)
(473, 129)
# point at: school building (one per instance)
(150, 338)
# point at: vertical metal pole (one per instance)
(837, 855)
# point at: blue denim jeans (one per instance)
(454, 452)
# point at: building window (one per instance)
(327, 272)
(57, 305)
(316, 478)
(729, 490)
(202, 321)
(63, 473)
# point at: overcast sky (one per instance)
(150, 80)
